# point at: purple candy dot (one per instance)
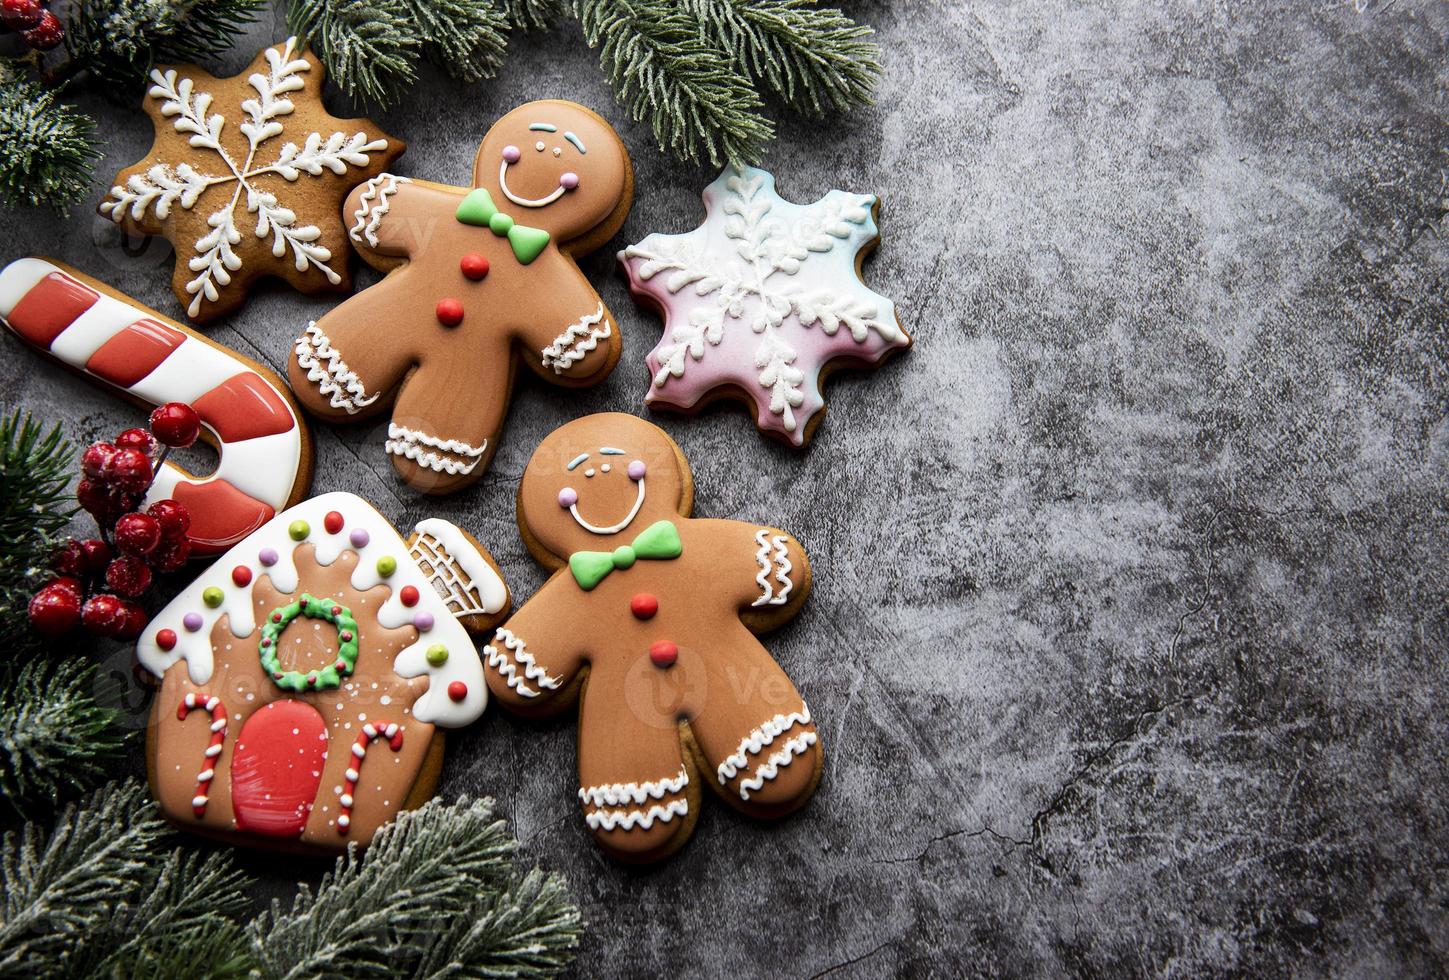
(359, 538)
(511, 154)
(423, 621)
(569, 180)
(636, 470)
(567, 497)
(267, 556)
(192, 622)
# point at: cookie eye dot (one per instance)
(568, 180)
(511, 153)
(538, 146)
(567, 497)
(558, 151)
(605, 468)
(589, 472)
(636, 470)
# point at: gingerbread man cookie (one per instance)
(251, 198)
(479, 279)
(763, 301)
(264, 451)
(304, 677)
(650, 623)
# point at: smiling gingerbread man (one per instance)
(650, 624)
(478, 279)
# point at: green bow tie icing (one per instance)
(657, 542)
(478, 209)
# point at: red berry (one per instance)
(176, 424)
(97, 458)
(174, 518)
(70, 559)
(94, 497)
(21, 15)
(128, 575)
(56, 609)
(130, 470)
(136, 439)
(98, 555)
(103, 615)
(171, 555)
(133, 621)
(449, 312)
(45, 35)
(138, 534)
(474, 266)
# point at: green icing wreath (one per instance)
(328, 677)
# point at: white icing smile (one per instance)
(612, 528)
(537, 202)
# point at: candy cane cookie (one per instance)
(264, 448)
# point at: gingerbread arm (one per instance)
(390, 218)
(535, 656)
(568, 335)
(764, 569)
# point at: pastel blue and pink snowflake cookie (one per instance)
(763, 300)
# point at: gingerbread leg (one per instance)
(347, 364)
(639, 792)
(445, 424)
(756, 738)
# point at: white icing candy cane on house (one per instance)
(456, 694)
(576, 343)
(370, 731)
(617, 795)
(781, 566)
(373, 206)
(127, 347)
(217, 711)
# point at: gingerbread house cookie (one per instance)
(304, 679)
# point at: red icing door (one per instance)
(276, 768)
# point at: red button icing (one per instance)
(135, 352)
(663, 653)
(644, 605)
(474, 266)
(409, 595)
(457, 690)
(450, 312)
(49, 307)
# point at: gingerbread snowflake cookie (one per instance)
(763, 300)
(651, 621)
(246, 177)
(304, 677)
(480, 279)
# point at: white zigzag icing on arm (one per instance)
(326, 369)
(369, 219)
(643, 819)
(617, 794)
(504, 664)
(762, 538)
(771, 768)
(751, 744)
(576, 343)
(782, 571)
(409, 444)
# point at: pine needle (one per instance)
(466, 38)
(370, 47)
(120, 41)
(35, 507)
(665, 74)
(533, 15)
(45, 146)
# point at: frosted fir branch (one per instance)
(664, 73)
(466, 38)
(533, 15)
(118, 42)
(36, 466)
(371, 47)
(46, 147)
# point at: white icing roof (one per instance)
(463, 664)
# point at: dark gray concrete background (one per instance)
(1128, 639)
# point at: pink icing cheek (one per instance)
(568, 180)
(511, 154)
(636, 470)
(567, 497)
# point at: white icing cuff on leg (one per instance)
(513, 656)
(329, 372)
(429, 451)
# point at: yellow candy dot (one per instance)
(299, 530)
(212, 597)
(437, 655)
(386, 565)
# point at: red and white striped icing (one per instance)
(128, 347)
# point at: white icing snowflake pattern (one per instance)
(786, 270)
(163, 186)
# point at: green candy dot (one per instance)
(299, 530)
(437, 655)
(212, 597)
(386, 565)
(500, 223)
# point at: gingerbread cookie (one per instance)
(650, 622)
(245, 178)
(762, 301)
(304, 676)
(480, 279)
(249, 417)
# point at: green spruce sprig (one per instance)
(370, 47)
(533, 15)
(118, 41)
(35, 507)
(107, 892)
(46, 152)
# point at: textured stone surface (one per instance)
(1130, 615)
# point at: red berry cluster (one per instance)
(116, 568)
(38, 27)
